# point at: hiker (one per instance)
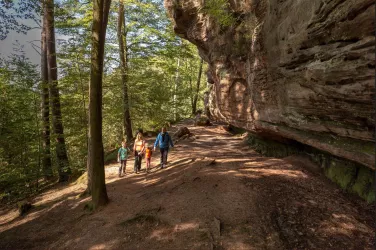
(163, 141)
(148, 153)
(138, 149)
(122, 156)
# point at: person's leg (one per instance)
(135, 168)
(162, 152)
(124, 165)
(147, 164)
(139, 162)
(120, 168)
(165, 153)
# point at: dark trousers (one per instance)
(123, 164)
(137, 163)
(164, 153)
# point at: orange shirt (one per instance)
(148, 153)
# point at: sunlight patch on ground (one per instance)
(273, 172)
(22, 220)
(186, 226)
(343, 224)
(11, 215)
(160, 234)
(166, 234)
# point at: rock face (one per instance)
(287, 69)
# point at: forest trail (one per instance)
(215, 194)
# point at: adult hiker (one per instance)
(163, 141)
(138, 149)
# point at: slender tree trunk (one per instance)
(96, 153)
(46, 162)
(85, 126)
(175, 89)
(57, 122)
(123, 53)
(194, 104)
(39, 140)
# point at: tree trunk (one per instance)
(123, 53)
(175, 89)
(61, 152)
(46, 162)
(96, 153)
(194, 104)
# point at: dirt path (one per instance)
(215, 194)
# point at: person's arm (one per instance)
(118, 155)
(171, 143)
(156, 142)
(143, 147)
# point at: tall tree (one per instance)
(61, 152)
(195, 97)
(123, 53)
(46, 162)
(96, 152)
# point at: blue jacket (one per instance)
(163, 140)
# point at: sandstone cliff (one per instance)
(287, 69)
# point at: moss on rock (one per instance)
(350, 176)
(364, 184)
(270, 147)
(341, 173)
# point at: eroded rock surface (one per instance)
(302, 70)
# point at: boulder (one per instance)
(299, 70)
(181, 132)
(202, 121)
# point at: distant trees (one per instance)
(113, 69)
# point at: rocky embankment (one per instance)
(286, 70)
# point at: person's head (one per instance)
(139, 136)
(164, 129)
(124, 144)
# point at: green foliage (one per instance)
(13, 13)
(153, 51)
(219, 10)
(19, 127)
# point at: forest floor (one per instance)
(216, 193)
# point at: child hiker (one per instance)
(148, 153)
(163, 141)
(122, 157)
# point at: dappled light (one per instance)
(215, 190)
(187, 124)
